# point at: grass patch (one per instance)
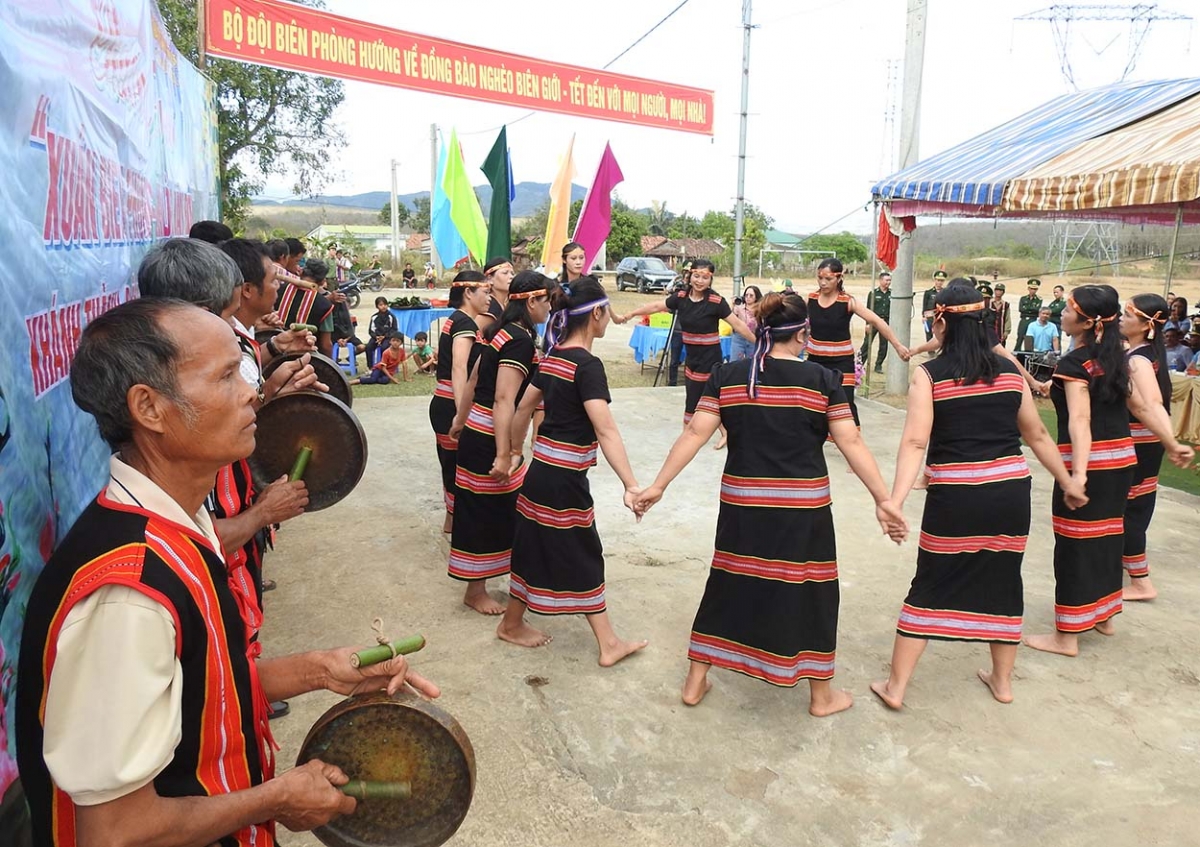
(1169, 476)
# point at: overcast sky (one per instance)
(818, 92)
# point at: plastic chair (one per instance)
(351, 366)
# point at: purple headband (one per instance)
(558, 321)
(766, 340)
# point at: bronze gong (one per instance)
(413, 754)
(323, 424)
(327, 371)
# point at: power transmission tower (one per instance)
(1098, 240)
(1139, 16)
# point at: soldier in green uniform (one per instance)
(1056, 306)
(1028, 308)
(927, 305)
(879, 301)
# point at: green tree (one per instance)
(533, 226)
(385, 214)
(269, 121)
(684, 226)
(625, 236)
(573, 217)
(660, 218)
(846, 245)
(419, 219)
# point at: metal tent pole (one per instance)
(1174, 244)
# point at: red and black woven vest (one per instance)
(225, 745)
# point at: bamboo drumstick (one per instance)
(382, 652)
(301, 464)
(365, 789)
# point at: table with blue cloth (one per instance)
(411, 321)
(648, 341)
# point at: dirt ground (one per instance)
(1102, 749)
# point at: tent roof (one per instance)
(975, 173)
(1155, 161)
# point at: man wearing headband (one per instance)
(1001, 317)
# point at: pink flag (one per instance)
(595, 220)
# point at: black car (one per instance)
(644, 273)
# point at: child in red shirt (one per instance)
(394, 359)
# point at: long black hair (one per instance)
(780, 317)
(1101, 304)
(517, 310)
(1155, 307)
(567, 248)
(833, 263)
(586, 289)
(455, 300)
(965, 344)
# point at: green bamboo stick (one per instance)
(304, 327)
(382, 652)
(301, 464)
(365, 789)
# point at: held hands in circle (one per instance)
(1181, 455)
(891, 520)
(1074, 494)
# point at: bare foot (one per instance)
(693, 694)
(1064, 644)
(889, 699)
(1140, 589)
(1106, 628)
(720, 445)
(448, 524)
(482, 602)
(1002, 691)
(837, 701)
(617, 650)
(523, 635)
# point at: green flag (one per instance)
(464, 205)
(499, 175)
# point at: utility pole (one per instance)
(910, 120)
(433, 171)
(201, 29)
(739, 221)
(395, 219)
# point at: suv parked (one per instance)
(645, 273)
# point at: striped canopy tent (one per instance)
(1127, 152)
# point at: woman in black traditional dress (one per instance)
(498, 274)
(971, 408)
(557, 558)
(1141, 325)
(485, 500)
(698, 311)
(469, 297)
(770, 607)
(1092, 396)
(830, 309)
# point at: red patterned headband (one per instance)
(1131, 309)
(525, 295)
(1097, 321)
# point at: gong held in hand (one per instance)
(410, 764)
(311, 436)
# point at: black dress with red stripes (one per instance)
(557, 557)
(1143, 492)
(829, 341)
(770, 607)
(699, 322)
(441, 407)
(976, 519)
(485, 508)
(1088, 542)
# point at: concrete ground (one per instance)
(1102, 749)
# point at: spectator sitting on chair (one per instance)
(384, 372)
(383, 324)
(343, 324)
(409, 276)
(1178, 356)
(423, 353)
(1041, 335)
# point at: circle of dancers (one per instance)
(770, 606)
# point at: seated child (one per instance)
(383, 324)
(423, 354)
(394, 359)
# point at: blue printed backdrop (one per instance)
(107, 144)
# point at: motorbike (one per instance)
(372, 279)
(352, 288)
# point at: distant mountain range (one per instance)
(530, 195)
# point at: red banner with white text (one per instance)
(293, 37)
